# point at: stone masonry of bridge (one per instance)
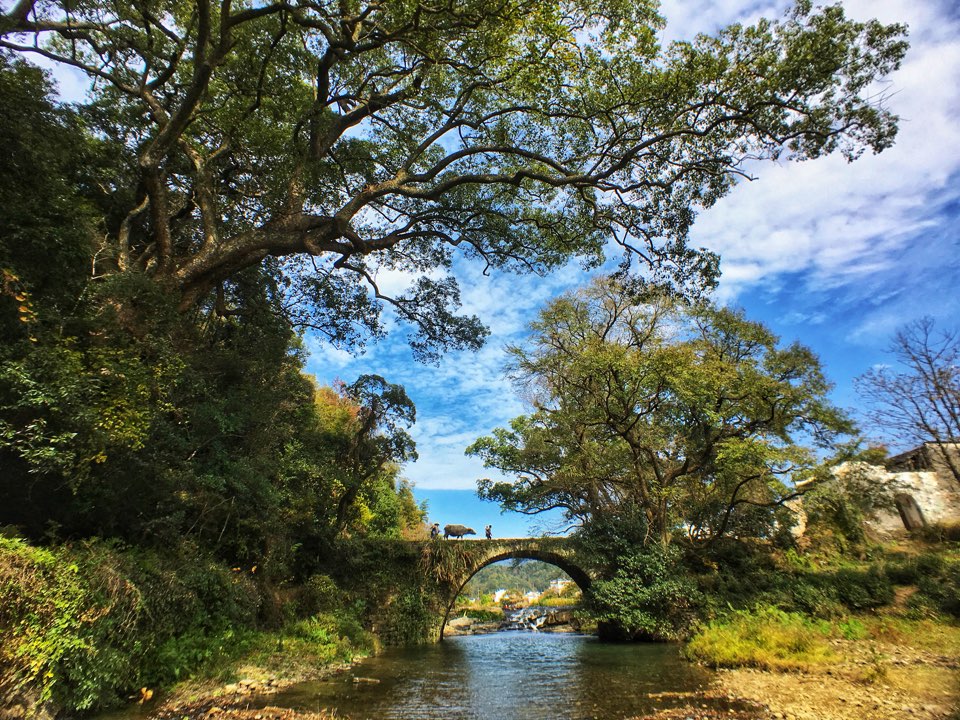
(440, 568)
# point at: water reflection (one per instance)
(505, 676)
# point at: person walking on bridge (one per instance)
(488, 531)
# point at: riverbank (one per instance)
(872, 679)
(916, 677)
(236, 699)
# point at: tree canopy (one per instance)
(672, 417)
(337, 145)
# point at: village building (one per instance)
(925, 488)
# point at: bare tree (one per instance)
(918, 399)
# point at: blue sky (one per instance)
(834, 254)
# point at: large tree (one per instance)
(917, 399)
(669, 416)
(356, 139)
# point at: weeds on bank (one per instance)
(771, 639)
(767, 638)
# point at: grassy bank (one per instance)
(828, 638)
(92, 625)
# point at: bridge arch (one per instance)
(553, 551)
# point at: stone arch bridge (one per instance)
(478, 554)
(428, 577)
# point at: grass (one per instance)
(765, 638)
(924, 634)
(559, 602)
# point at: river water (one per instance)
(506, 676)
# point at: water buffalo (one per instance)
(457, 531)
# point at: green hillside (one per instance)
(518, 576)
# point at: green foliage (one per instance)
(390, 585)
(765, 637)
(942, 532)
(123, 417)
(852, 629)
(685, 417)
(519, 576)
(482, 614)
(846, 493)
(741, 576)
(340, 633)
(318, 593)
(47, 226)
(331, 143)
(83, 626)
(65, 629)
(649, 595)
(941, 591)
(861, 589)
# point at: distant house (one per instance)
(559, 584)
(498, 595)
(532, 596)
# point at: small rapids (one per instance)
(536, 617)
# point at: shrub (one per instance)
(67, 626)
(82, 626)
(319, 592)
(939, 532)
(334, 636)
(649, 596)
(861, 590)
(941, 591)
(909, 570)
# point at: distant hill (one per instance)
(518, 576)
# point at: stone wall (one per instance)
(925, 489)
(935, 493)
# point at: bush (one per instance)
(67, 626)
(766, 638)
(319, 592)
(939, 532)
(909, 570)
(82, 626)
(334, 636)
(482, 615)
(941, 591)
(862, 590)
(649, 596)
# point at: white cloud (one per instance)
(837, 222)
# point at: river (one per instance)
(506, 676)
